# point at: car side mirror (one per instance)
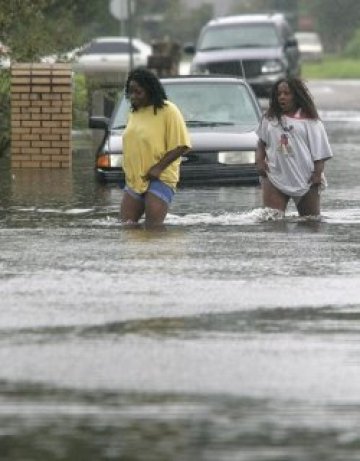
(291, 42)
(189, 48)
(99, 123)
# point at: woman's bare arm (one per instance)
(260, 159)
(156, 170)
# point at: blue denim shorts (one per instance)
(156, 187)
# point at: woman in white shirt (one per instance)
(292, 149)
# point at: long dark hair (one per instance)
(150, 83)
(302, 99)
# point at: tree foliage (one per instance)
(288, 7)
(176, 22)
(265, 6)
(38, 27)
(337, 21)
(20, 23)
(32, 28)
(352, 49)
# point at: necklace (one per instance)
(286, 129)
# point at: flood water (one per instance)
(230, 335)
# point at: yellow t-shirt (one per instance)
(147, 138)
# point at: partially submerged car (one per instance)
(221, 113)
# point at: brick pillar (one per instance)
(41, 115)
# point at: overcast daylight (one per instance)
(179, 230)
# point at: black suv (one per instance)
(259, 47)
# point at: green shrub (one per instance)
(352, 49)
(4, 111)
(332, 67)
(80, 102)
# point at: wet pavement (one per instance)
(229, 335)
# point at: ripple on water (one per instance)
(108, 216)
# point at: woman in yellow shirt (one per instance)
(153, 142)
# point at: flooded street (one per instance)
(227, 336)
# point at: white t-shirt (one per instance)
(291, 147)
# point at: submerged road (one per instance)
(341, 95)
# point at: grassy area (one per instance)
(332, 67)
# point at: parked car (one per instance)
(258, 47)
(111, 54)
(221, 113)
(310, 46)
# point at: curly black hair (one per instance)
(145, 78)
(302, 98)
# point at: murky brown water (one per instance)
(224, 337)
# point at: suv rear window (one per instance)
(239, 36)
(108, 48)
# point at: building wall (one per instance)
(41, 115)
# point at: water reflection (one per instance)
(142, 234)
(30, 187)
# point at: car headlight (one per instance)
(105, 160)
(237, 157)
(271, 67)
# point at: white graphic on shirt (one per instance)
(284, 147)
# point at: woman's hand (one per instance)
(153, 173)
(262, 167)
(260, 159)
(156, 170)
(316, 175)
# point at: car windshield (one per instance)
(239, 36)
(204, 104)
